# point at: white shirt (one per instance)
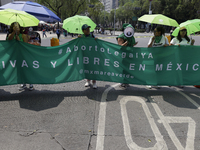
(175, 41)
(162, 42)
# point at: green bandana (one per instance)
(158, 39)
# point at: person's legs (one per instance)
(58, 36)
(94, 84)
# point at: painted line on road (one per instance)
(102, 119)
(165, 120)
(161, 144)
(115, 37)
(188, 98)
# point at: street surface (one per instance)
(69, 116)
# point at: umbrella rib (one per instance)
(22, 20)
(11, 17)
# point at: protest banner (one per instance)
(98, 60)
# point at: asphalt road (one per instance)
(69, 116)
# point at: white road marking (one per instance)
(161, 144)
(127, 132)
(166, 120)
(188, 98)
(102, 119)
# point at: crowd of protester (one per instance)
(15, 32)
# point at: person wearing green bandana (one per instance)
(125, 40)
(158, 40)
(16, 33)
(87, 34)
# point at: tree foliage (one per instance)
(95, 10)
(180, 10)
(66, 8)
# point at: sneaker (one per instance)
(31, 88)
(123, 85)
(149, 86)
(157, 87)
(181, 86)
(94, 86)
(87, 84)
(22, 87)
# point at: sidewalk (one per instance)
(53, 35)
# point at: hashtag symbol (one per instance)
(60, 51)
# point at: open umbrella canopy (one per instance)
(74, 24)
(192, 26)
(159, 19)
(8, 16)
(39, 11)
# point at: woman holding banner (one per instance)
(126, 39)
(87, 34)
(158, 40)
(182, 38)
(16, 32)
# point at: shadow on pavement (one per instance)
(39, 100)
(45, 99)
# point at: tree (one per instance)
(95, 11)
(54, 5)
(65, 8)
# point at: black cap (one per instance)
(85, 26)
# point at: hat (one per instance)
(85, 26)
(124, 26)
(129, 31)
(182, 28)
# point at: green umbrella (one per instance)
(192, 26)
(8, 16)
(74, 24)
(159, 19)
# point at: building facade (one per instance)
(110, 4)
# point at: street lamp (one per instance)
(114, 18)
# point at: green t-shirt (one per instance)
(20, 37)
